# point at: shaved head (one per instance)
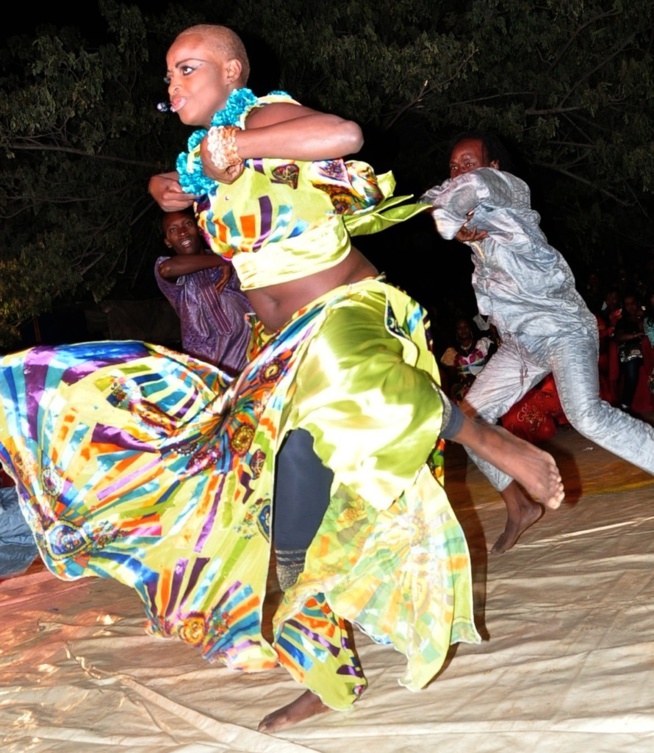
(225, 43)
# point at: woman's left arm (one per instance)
(287, 131)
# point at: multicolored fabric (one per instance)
(140, 464)
(467, 363)
(283, 219)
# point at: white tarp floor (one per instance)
(566, 664)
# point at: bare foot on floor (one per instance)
(521, 513)
(304, 707)
(533, 468)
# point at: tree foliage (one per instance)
(79, 137)
(567, 83)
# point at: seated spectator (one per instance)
(17, 546)
(612, 308)
(592, 293)
(648, 326)
(628, 336)
(466, 358)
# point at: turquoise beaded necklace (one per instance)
(192, 177)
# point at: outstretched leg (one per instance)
(534, 469)
(302, 487)
(522, 463)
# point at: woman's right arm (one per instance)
(166, 191)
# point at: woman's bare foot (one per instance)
(521, 512)
(534, 469)
(304, 707)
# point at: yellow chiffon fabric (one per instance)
(390, 554)
(369, 395)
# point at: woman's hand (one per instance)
(228, 175)
(166, 191)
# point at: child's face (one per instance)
(199, 79)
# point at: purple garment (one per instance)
(214, 325)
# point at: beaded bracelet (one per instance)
(221, 143)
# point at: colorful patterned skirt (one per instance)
(147, 466)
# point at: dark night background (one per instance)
(568, 86)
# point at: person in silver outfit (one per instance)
(527, 290)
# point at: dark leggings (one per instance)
(302, 492)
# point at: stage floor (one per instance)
(567, 663)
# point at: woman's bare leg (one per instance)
(534, 469)
(530, 467)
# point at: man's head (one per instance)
(204, 64)
(474, 149)
(181, 233)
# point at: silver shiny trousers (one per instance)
(572, 359)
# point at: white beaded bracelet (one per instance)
(221, 143)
